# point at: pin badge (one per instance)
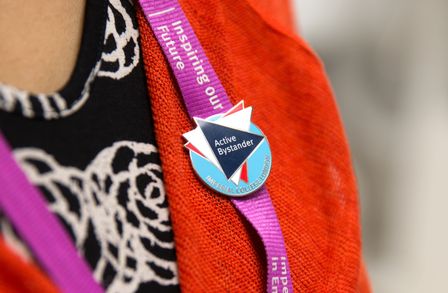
(229, 153)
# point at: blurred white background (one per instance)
(388, 64)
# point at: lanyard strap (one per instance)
(25, 207)
(204, 96)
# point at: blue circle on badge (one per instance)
(240, 162)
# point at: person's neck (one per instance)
(39, 42)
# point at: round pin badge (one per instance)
(229, 153)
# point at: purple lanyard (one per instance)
(177, 39)
(25, 207)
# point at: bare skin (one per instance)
(39, 42)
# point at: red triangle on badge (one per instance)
(244, 175)
(190, 146)
(236, 108)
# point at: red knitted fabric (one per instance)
(363, 281)
(311, 184)
(17, 276)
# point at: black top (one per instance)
(90, 148)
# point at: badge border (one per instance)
(227, 194)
